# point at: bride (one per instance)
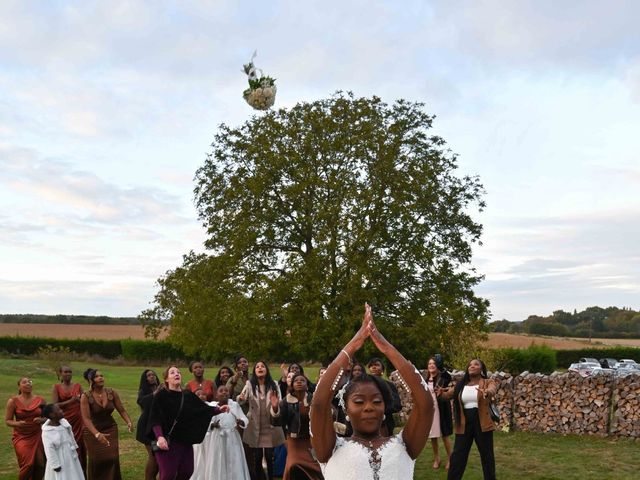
(367, 455)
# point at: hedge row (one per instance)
(128, 349)
(517, 360)
(513, 360)
(150, 350)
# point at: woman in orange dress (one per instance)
(23, 414)
(199, 383)
(67, 396)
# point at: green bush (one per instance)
(31, 345)
(134, 350)
(564, 358)
(150, 350)
(535, 359)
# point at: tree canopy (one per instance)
(609, 322)
(310, 212)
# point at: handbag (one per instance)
(494, 411)
(154, 443)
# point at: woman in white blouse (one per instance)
(473, 420)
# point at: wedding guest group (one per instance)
(241, 423)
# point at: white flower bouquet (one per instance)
(261, 93)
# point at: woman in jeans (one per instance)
(471, 397)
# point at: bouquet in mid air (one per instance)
(261, 93)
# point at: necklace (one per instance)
(366, 442)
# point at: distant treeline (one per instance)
(68, 319)
(596, 322)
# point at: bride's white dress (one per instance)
(353, 461)
(220, 455)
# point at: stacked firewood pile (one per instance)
(560, 403)
(626, 418)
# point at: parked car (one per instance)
(627, 368)
(586, 369)
(628, 360)
(625, 361)
(589, 360)
(608, 362)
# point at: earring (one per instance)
(384, 417)
(346, 417)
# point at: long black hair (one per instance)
(217, 380)
(465, 379)
(268, 381)
(144, 387)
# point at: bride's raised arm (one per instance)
(323, 437)
(418, 425)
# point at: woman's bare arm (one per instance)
(416, 430)
(9, 415)
(321, 416)
(123, 413)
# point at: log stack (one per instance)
(560, 403)
(626, 418)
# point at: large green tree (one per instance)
(313, 210)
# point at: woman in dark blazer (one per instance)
(471, 397)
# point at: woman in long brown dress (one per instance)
(23, 414)
(293, 413)
(67, 396)
(100, 429)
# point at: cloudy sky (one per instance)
(108, 108)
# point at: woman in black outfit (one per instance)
(149, 383)
(177, 420)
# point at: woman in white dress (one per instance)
(367, 454)
(221, 455)
(60, 446)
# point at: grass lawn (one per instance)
(518, 455)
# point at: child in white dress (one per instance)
(220, 455)
(60, 446)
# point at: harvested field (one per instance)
(53, 330)
(502, 340)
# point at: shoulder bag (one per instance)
(154, 443)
